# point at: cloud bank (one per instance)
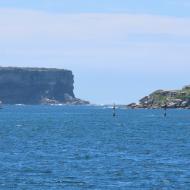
(30, 24)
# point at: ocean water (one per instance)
(76, 147)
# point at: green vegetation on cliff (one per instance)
(162, 98)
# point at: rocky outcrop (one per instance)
(37, 86)
(163, 98)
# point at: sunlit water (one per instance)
(70, 147)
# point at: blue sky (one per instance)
(169, 7)
(118, 50)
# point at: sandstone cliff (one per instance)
(37, 86)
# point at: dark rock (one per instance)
(186, 87)
(132, 105)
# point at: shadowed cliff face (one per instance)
(35, 86)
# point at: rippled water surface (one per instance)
(70, 147)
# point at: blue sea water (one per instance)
(84, 147)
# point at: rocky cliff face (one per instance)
(162, 98)
(36, 86)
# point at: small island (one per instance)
(165, 98)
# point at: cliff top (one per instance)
(31, 69)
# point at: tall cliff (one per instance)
(36, 86)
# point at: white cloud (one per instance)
(31, 24)
(96, 41)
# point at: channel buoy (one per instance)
(165, 110)
(114, 108)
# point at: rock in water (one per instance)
(37, 86)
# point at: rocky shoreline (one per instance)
(71, 101)
(171, 99)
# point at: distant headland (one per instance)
(37, 86)
(163, 98)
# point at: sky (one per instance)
(118, 50)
